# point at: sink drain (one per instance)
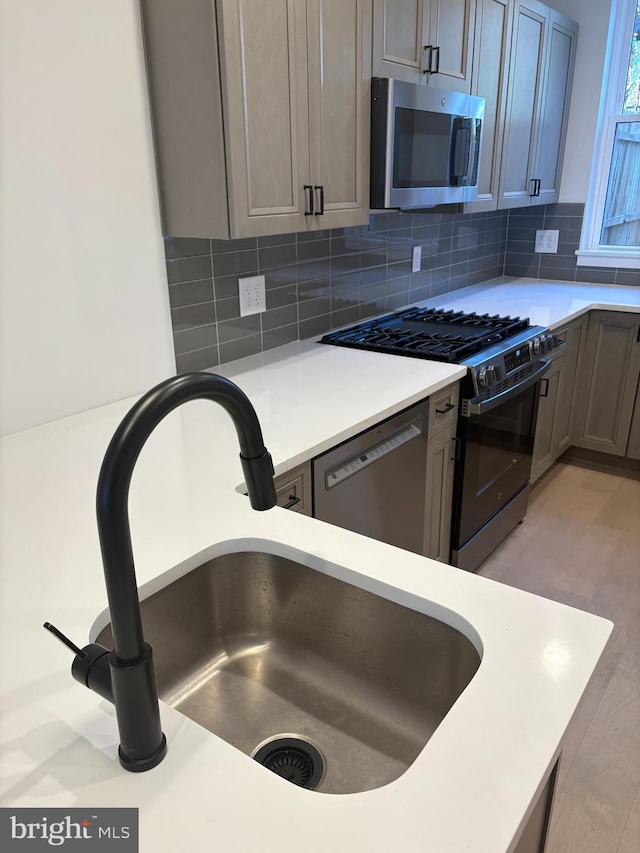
(294, 759)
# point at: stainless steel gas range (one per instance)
(505, 360)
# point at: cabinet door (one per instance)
(573, 336)
(488, 80)
(543, 448)
(439, 496)
(525, 80)
(633, 447)
(293, 489)
(553, 114)
(451, 34)
(400, 33)
(263, 50)
(339, 48)
(606, 386)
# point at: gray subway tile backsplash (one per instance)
(189, 269)
(241, 348)
(321, 280)
(522, 261)
(628, 277)
(190, 293)
(192, 316)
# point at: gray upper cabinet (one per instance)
(606, 383)
(424, 41)
(339, 62)
(541, 66)
(260, 110)
(492, 45)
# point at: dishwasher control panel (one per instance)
(335, 476)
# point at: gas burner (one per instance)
(429, 333)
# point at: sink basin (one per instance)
(255, 647)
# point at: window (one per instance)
(611, 232)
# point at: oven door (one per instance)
(494, 461)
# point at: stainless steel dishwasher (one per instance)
(375, 483)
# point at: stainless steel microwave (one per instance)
(425, 145)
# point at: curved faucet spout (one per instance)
(115, 478)
(142, 743)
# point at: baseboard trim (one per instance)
(602, 462)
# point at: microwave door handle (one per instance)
(474, 153)
(461, 153)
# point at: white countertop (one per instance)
(472, 785)
(545, 303)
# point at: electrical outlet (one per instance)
(416, 259)
(252, 296)
(547, 241)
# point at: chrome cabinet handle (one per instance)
(546, 387)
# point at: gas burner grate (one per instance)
(429, 333)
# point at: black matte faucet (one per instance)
(125, 675)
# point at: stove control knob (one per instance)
(539, 345)
(552, 342)
(487, 376)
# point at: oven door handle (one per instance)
(478, 406)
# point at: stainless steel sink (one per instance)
(254, 646)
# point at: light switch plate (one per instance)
(547, 241)
(416, 259)
(252, 295)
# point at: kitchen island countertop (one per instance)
(472, 786)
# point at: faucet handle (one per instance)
(65, 640)
(90, 664)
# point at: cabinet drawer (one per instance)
(443, 409)
(563, 334)
(293, 490)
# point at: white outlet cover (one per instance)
(251, 292)
(547, 242)
(416, 259)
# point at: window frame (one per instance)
(591, 252)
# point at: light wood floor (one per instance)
(580, 544)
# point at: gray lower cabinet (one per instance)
(534, 835)
(443, 417)
(293, 489)
(606, 383)
(439, 495)
(544, 449)
(633, 446)
(553, 434)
